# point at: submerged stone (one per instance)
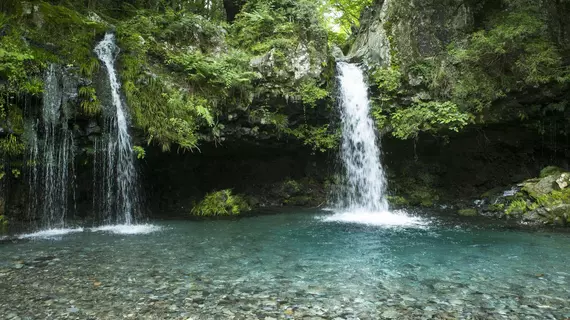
(467, 212)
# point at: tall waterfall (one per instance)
(118, 194)
(361, 197)
(51, 158)
(364, 183)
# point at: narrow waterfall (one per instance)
(116, 173)
(51, 158)
(361, 196)
(364, 184)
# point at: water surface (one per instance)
(294, 265)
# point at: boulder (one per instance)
(559, 215)
(563, 181)
(543, 187)
(468, 212)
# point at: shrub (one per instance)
(221, 203)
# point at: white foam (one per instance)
(128, 228)
(49, 233)
(397, 218)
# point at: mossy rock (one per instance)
(559, 215)
(221, 203)
(424, 197)
(550, 171)
(543, 187)
(299, 201)
(468, 212)
(495, 192)
(398, 201)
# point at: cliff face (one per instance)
(413, 28)
(421, 29)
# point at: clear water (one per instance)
(116, 173)
(292, 265)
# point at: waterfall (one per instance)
(361, 197)
(364, 183)
(50, 160)
(116, 173)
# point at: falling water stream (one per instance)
(362, 196)
(119, 177)
(50, 159)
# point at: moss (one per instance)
(423, 196)
(496, 207)
(221, 203)
(517, 207)
(467, 212)
(551, 170)
(398, 201)
(554, 198)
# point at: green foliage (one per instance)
(513, 53)
(17, 62)
(388, 80)
(319, 138)
(341, 16)
(277, 24)
(90, 104)
(223, 75)
(221, 203)
(64, 26)
(518, 206)
(11, 146)
(429, 117)
(311, 93)
(141, 154)
(554, 198)
(3, 221)
(176, 76)
(265, 117)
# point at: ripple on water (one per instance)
(398, 218)
(128, 229)
(49, 233)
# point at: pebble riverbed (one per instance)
(287, 268)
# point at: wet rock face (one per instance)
(413, 28)
(418, 29)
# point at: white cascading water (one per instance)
(50, 173)
(364, 185)
(120, 194)
(361, 197)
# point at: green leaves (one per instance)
(11, 146)
(318, 138)
(341, 16)
(513, 53)
(388, 80)
(221, 203)
(428, 117)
